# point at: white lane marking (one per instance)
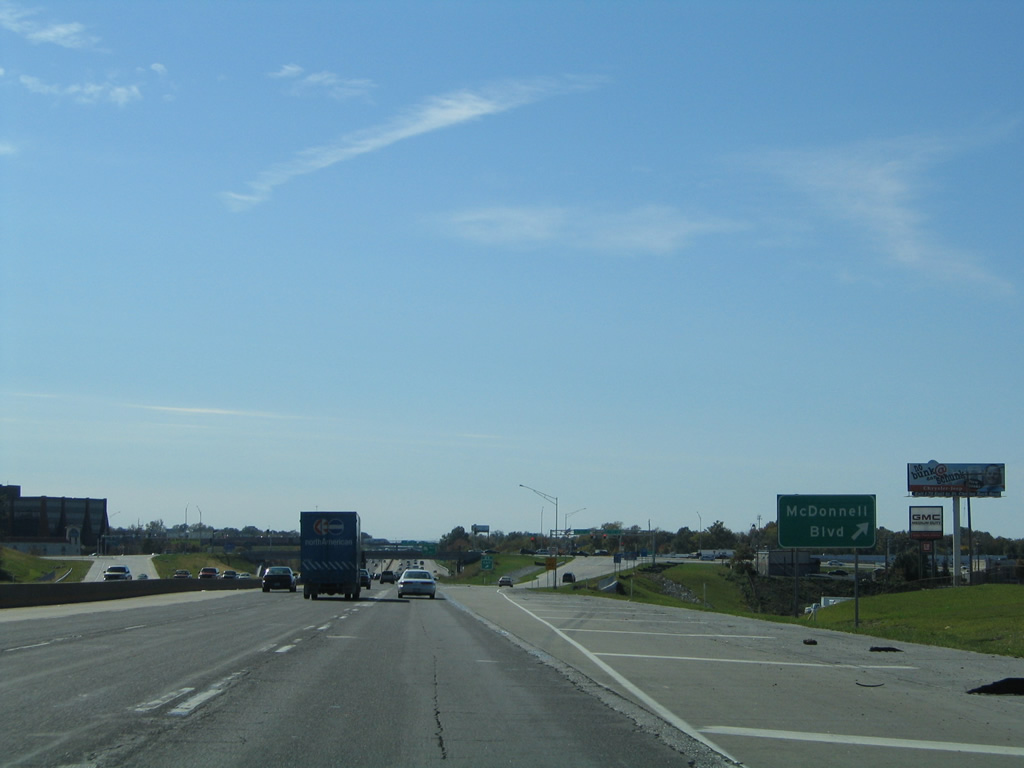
(872, 741)
(137, 626)
(167, 697)
(189, 705)
(663, 712)
(26, 647)
(284, 649)
(768, 663)
(630, 619)
(341, 637)
(323, 627)
(670, 634)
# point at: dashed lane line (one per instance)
(167, 698)
(188, 706)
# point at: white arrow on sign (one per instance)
(862, 529)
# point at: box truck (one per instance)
(331, 554)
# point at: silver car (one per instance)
(117, 573)
(417, 583)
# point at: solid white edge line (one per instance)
(869, 741)
(661, 711)
(671, 634)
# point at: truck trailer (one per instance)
(331, 554)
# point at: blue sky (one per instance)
(663, 261)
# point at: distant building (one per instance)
(51, 525)
(780, 562)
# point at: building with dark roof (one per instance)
(51, 524)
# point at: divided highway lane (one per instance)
(758, 693)
(246, 678)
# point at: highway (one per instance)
(480, 677)
(243, 678)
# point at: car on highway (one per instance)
(117, 573)
(568, 577)
(417, 583)
(229, 575)
(364, 578)
(387, 577)
(279, 577)
(209, 572)
(506, 581)
(181, 573)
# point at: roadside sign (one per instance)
(549, 563)
(582, 531)
(827, 521)
(486, 563)
(926, 522)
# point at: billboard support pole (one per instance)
(856, 588)
(956, 541)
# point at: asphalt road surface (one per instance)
(480, 677)
(246, 678)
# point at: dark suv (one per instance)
(387, 577)
(279, 577)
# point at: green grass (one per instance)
(25, 568)
(986, 619)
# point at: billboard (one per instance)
(946, 480)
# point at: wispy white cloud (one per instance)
(190, 410)
(876, 186)
(84, 93)
(656, 229)
(317, 83)
(7, 148)
(22, 22)
(435, 114)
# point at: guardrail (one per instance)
(22, 595)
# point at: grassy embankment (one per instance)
(25, 568)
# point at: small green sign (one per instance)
(826, 522)
(486, 563)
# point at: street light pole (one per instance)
(699, 533)
(554, 500)
(566, 521)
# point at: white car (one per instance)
(417, 583)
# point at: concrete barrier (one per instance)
(22, 595)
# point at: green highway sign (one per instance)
(827, 521)
(582, 531)
(486, 563)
